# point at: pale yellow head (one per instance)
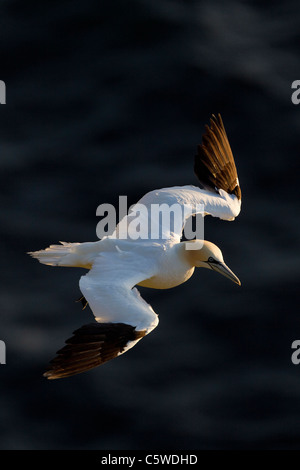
(204, 254)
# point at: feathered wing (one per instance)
(214, 163)
(176, 205)
(219, 196)
(122, 316)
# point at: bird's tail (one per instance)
(65, 254)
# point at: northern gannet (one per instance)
(116, 265)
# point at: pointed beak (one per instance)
(223, 269)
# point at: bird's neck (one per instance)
(187, 251)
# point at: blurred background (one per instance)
(111, 98)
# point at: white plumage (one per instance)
(116, 265)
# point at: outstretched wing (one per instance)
(122, 316)
(219, 196)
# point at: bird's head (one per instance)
(209, 256)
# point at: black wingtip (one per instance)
(90, 346)
(214, 164)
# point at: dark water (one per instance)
(111, 98)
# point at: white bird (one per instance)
(116, 266)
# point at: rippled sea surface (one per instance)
(111, 98)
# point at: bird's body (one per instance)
(172, 264)
(116, 265)
(173, 268)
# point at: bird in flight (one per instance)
(116, 265)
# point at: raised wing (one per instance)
(220, 195)
(122, 316)
(214, 163)
(162, 214)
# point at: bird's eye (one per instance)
(211, 260)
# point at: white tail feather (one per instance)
(65, 254)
